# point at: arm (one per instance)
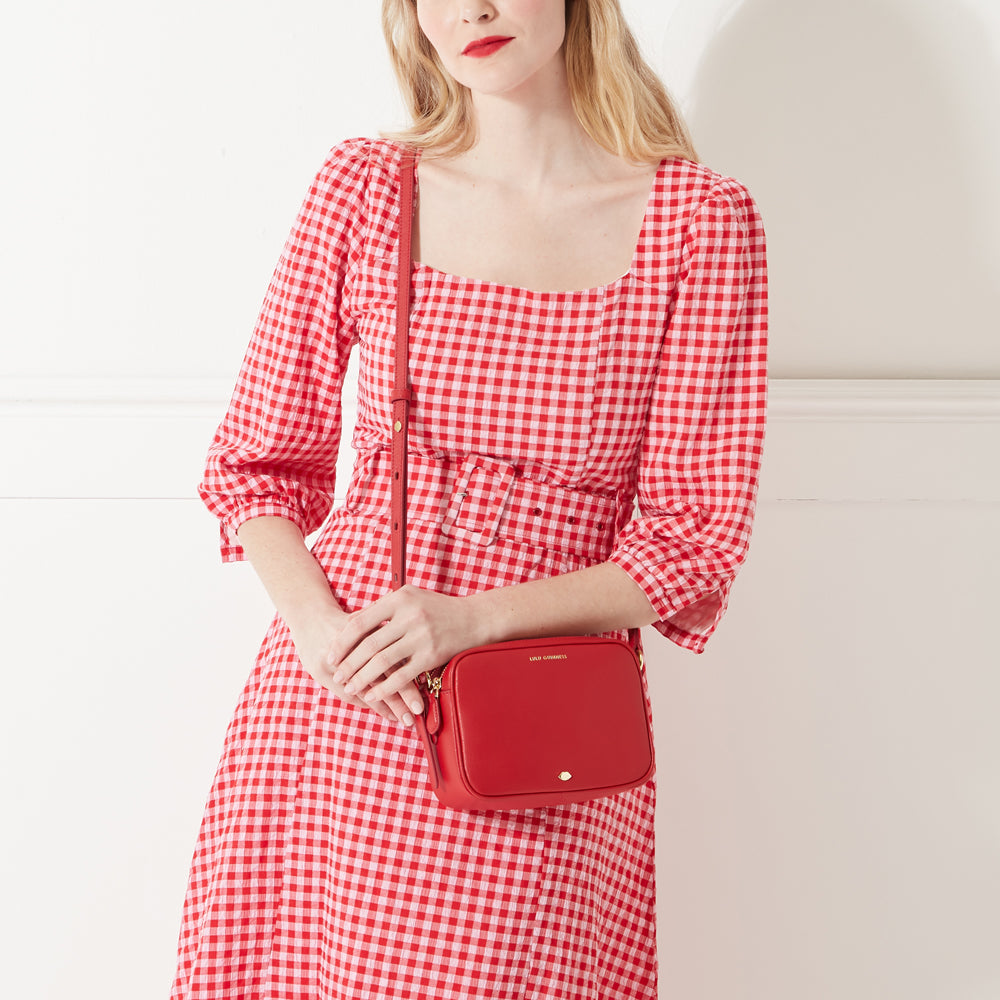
(301, 594)
(673, 565)
(275, 452)
(701, 452)
(270, 470)
(411, 630)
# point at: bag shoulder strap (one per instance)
(401, 395)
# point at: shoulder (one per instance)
(696, 211)
(356, 162)
(356, 185)
(345, 167)
(365, 171)
(357, 157)
(688, 191)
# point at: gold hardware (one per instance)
(397, 426)
(434, 684)
(564, 776)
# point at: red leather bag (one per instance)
(536, 722)
(527, 723)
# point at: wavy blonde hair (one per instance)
(620, 102)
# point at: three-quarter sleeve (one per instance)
(700, 457)
(275, 451)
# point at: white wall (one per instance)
(157, 152)
(830, 823)
(867, 129)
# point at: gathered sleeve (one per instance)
(700, 457)
(275, 451)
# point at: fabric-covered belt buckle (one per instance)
(482, 489)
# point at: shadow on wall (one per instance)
(866, 130)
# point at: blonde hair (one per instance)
(620, 102)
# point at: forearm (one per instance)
(600, 598)
(301, 593)
(291, 576)
(386, 645)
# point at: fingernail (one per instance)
(368, 697)
(338, 676)
(407, 719)
(417, 707)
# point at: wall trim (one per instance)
(866, 400)
(100, 397)
(879, 400)
(830, 440)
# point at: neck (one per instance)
(531, 136)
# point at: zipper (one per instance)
(433, 684)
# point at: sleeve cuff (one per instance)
(690, 617)
(230, 547)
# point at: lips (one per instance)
(486, 46)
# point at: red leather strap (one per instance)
(401, 388)
(401, 395)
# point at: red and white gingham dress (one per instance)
(325, 868)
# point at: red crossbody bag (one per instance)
(527, 723)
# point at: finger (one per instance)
(389, 658)
(377, 706)
(400, 682)
(394, 708)
(413, 697)
(363, 652)
(382, 708)
(399, 707)
(400, 687)
(358, 626)
(404, 710)
(353, 632)
(408, 703)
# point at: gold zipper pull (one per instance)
(433, 682)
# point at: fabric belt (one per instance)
(484, 499)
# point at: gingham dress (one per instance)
(325, 868)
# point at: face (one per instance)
(525, 40)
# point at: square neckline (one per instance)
(430, 271)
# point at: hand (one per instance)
(313, 644)
(383, 648)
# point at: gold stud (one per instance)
(398, 426)
(565, 775)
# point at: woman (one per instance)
(587, 324)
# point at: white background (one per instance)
(829, 823)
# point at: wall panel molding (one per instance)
(828, 439)
(867, 400)
(885, 400)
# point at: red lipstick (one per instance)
(483, 47)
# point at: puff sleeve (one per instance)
(700, 457)
(275, 451)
